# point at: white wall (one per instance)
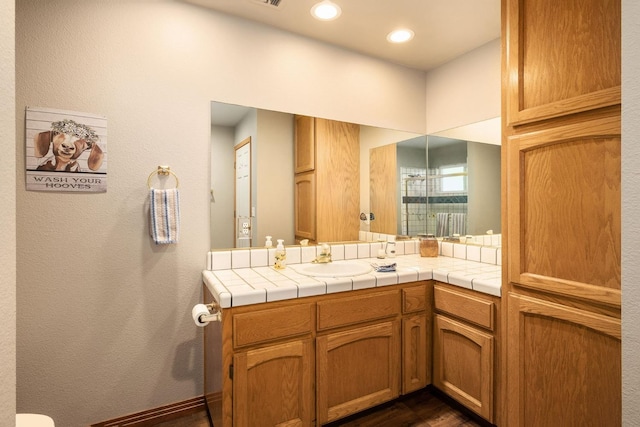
(112, 335)
(104, 325)
(465, 90)
(7, 217)
(222, 197)
(630, 213)
(275, 184)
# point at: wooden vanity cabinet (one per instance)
(357, 353)
(273, 382)
(313, 360)
(327, 180)
(465, 346)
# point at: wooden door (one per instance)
(416, 372)
(337, 180)
(463, 364)
(383, 182)
(562, 57)
(564, 210)
(273, 386)
(357, 369)
(548, 343)
(305, 147)
(305, 206)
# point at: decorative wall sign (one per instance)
(65, 151)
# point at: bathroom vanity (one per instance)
(359, 342)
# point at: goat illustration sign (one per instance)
(65, 151)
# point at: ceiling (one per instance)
(444, 29)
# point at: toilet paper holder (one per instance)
(215, 314)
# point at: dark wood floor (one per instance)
(426, 408)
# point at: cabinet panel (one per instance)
(305, 147)
(564, 209)
(305, 202)
(414, 299)
(416, 354)
(383, 180)
(337, 180)
(549, 343)
(357, 369)
(274, 386)
(267, 325)
(345, 311)
(463, 364)
(474, 310)
(562, 57)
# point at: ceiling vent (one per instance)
(274, 4)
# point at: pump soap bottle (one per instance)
(281, 256)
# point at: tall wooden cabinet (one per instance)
(327, 180)
(561, 191)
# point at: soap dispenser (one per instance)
(281, 256)
(268, 243)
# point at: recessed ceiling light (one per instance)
(326, 10)
(400, 36)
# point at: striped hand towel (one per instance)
(442, 224)
(164, 212)
(459, 223)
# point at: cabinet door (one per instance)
(564, 365)
(564, 210)
(463, 364)
(415, 354)
(305, 146)
(383, 181)
(305, 206)
(337, 180)
(562, 57)
(273, 386)
(357, 369)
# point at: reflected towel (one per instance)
(164, 212)
(384, 268)
(459, 223)
(442, 224)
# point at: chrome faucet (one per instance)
(325, 255)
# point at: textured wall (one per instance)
(465, 90)
(7, 217)
(104, 325)
(630, 213)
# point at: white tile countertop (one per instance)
(245, 282)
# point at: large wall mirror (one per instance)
(433, 179)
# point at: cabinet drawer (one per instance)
(414, 299)
(470, 308)
(272, 324)
(351, 310)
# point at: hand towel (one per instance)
(164, 212)
(442, 224)
(384, 268)
(459, 223)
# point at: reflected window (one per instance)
(453, 179)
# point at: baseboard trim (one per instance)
(154, 416)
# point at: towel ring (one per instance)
(164, 171)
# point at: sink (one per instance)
(334, 269)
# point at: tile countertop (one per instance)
(259, 284)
